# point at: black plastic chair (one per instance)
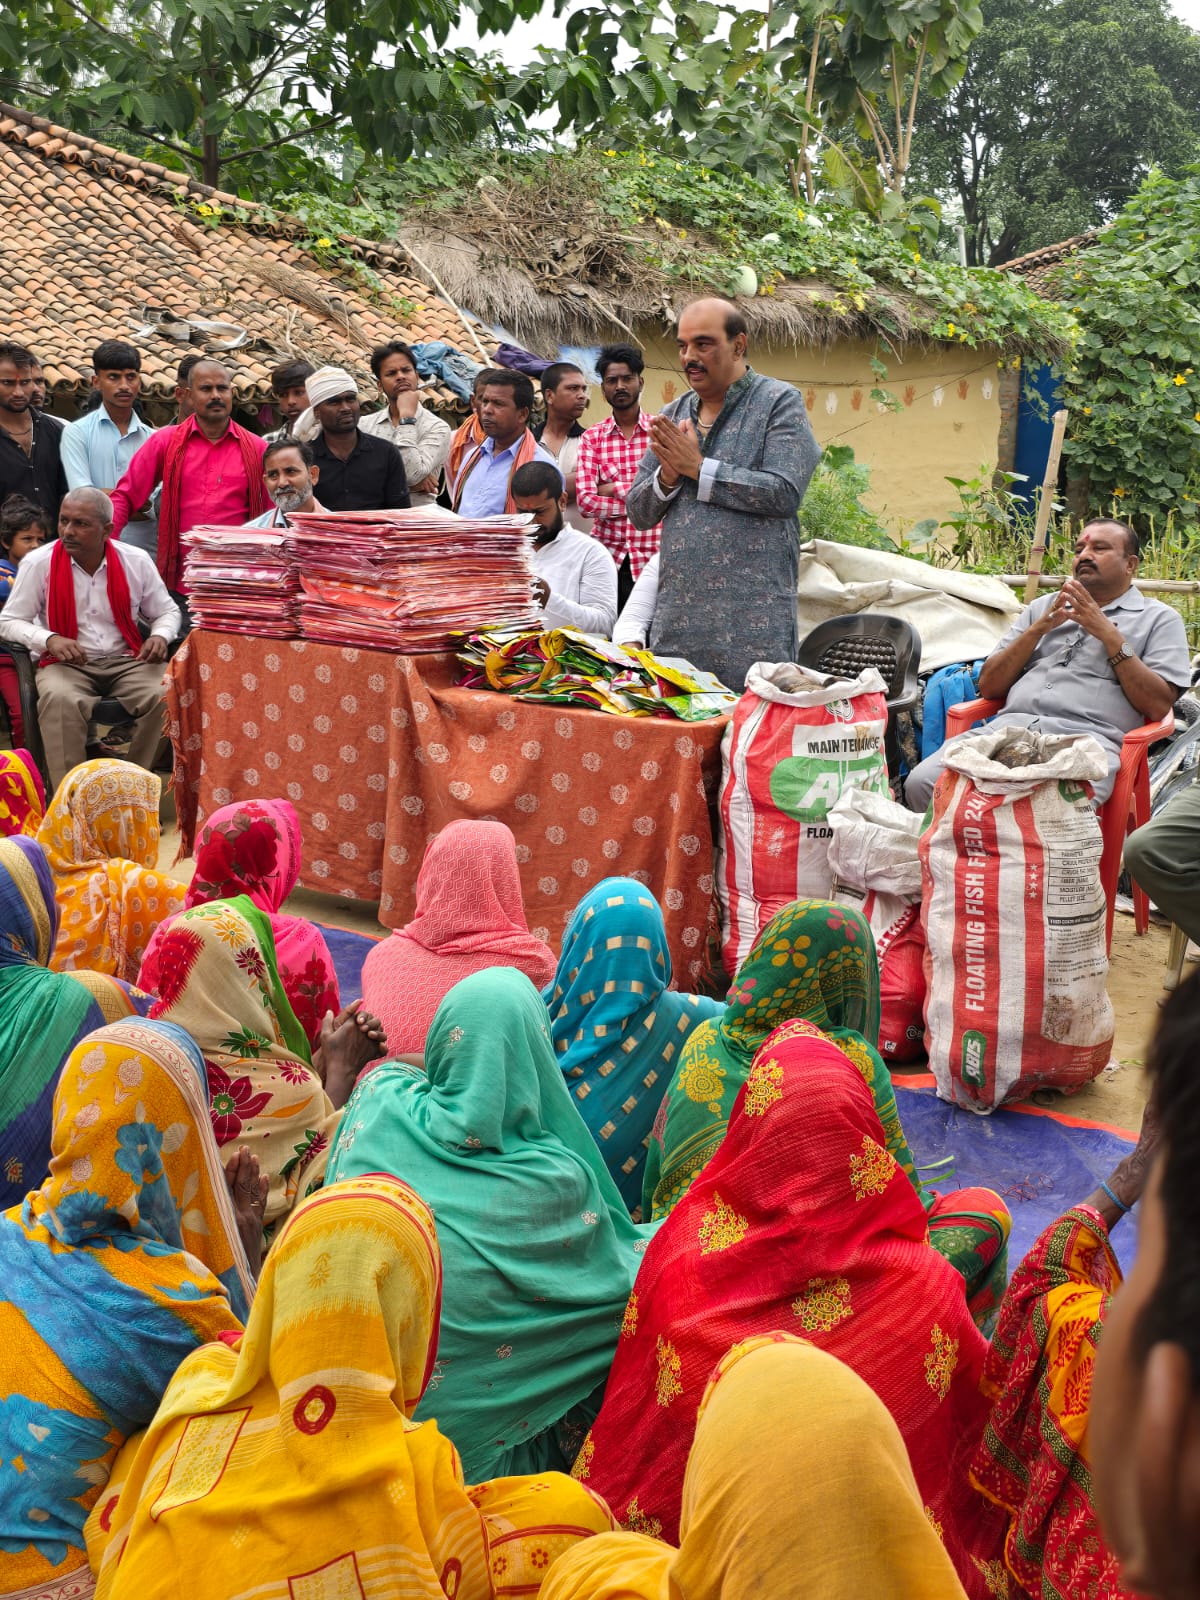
(843, 646)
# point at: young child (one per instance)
(23, 526)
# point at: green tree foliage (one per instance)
(1064, 107)
(760, 88)
(243, 92)
(1133, 385)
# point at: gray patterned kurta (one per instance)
(731, 541)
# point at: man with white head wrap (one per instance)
(358, 472)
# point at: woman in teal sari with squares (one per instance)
(618, 1027)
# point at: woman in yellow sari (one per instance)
(128, 1257)
(100, 836)
(826, 1506)
(287, 1462)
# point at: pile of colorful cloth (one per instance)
(563, 667)
(242, 580)
(409, 580)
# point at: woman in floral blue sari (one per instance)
(128, 1257)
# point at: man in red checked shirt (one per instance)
(609, 453)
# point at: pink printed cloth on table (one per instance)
(378, 752)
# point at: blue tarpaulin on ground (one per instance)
(1041, 1163)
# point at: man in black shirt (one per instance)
(358, 472)
(29, 458)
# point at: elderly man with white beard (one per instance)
(290, 475)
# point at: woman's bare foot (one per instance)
(349, 1042)
(248, 1191)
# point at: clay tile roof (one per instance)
(1041, 269)
(97, 244)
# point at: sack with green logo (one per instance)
(798, 740)
(1014, 913)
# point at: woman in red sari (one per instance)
(253, 848)
(801, 1223)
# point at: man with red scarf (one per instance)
(75, 603)
(209, 466)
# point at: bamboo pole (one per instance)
(1018, 580)
(1045, 505)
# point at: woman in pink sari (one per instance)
(470, 915)
(253, 848)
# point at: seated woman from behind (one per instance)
(469, 917)
(128, 1257)
(1034, 1459)
(617, 1026)
(341, 1338)
(814, 961)
(219, 980)
(824, 1506)
(540, 1253)
(100, 836)
(802, 1222)
(253, 848)
(43, 1015)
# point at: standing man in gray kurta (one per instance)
(725, 474)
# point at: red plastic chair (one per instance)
(1128, 806)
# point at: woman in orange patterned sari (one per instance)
(800, 1223)
(1035, 1456)
(100, 836)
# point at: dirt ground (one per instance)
(1135, 985)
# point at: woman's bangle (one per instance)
(1120, 1204)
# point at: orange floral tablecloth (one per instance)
(378, 752)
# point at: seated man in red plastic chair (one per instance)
(1097, 657)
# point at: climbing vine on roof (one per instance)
(684, 227)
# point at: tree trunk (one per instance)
(210, 161)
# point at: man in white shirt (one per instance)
(76, 602)
(96, 449)
(576, 584)
(422, 438)
(289, 473)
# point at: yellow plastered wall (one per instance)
(947, 425)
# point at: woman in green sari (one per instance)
(814, 961)
(539, 1250)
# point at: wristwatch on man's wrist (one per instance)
(1123, 654)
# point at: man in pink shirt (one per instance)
(210, 469)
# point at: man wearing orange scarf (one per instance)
(210, 469)
(76, 602)
(482, 485)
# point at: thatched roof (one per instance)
(551, 284)
(583, 291)
(535, 246)
(97, 244)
